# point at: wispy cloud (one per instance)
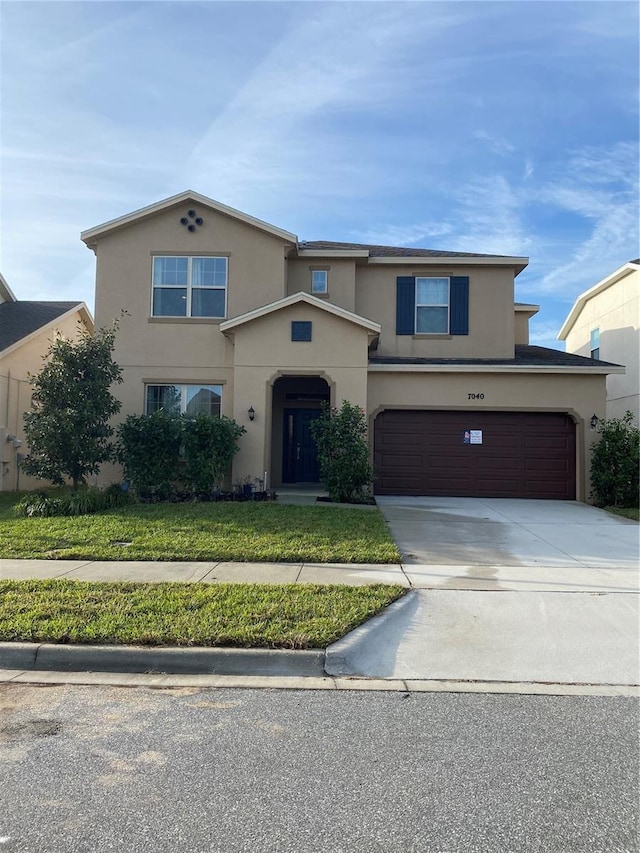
(403, 235)
(599, 189)
(280, 132)
(494, 143)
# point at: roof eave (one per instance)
(228, 327)
(518, 264)
(6, 291)
(586, 295)
(493, 368)
(91, 235)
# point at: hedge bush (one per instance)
(615, 463)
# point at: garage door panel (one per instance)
(522, 454)
(543, 466)
(506, 463)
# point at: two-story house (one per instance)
(604, 322)
(228, 314)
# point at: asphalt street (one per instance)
(94, 769)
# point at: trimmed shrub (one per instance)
(343, 453)
(149, 450)
(615, 462)
(209, 445)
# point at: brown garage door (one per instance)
(475, 454)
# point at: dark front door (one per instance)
(299, 460)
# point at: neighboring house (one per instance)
(228, 314)
(605, 323)
(26, 331)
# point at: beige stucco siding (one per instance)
(256, 275)
(15, 396)
(264, 352)
(521, 329)
(491, 315)
(578, 395)
(616, 312)
(341, 279)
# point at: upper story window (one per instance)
(432, 306)
(594, 343)
(183, 399)
(319, 281)
(189, 287)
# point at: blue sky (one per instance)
(502, 127)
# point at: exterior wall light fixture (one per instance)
(251, 413)
(595, 420)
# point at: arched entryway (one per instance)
(296, 403)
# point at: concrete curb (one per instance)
(137, 659)
(342, 656)
(157, 681)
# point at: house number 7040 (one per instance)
(475, 396)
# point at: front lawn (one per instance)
(252, 532)
(245, 615)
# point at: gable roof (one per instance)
(19, 320)
(304, 248)
(91, 235)
(294, 299)
(586, 295)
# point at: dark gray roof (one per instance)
(524, 356)
(391, 251)
(637, 261)
(19, 319)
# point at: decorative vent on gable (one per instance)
(191, 220)
(301, 330)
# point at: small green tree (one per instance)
(68, 428)
(209, 445)
(614, 463)
(149, 449)
(343, 452)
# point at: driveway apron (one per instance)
(506, 590)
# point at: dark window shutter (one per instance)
(405, 304)
(459, 305)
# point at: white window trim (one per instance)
(326, 282)
(189, 286)
(446, 304)
(183, 386)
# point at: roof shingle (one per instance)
(391, 251)
(19, 319)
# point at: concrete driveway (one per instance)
(505, 591)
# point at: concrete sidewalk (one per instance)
(351, 574)
(516, 578)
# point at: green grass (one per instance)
(253, 532)
(245, 615)
(632, 512)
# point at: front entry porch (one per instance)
(297, 403)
